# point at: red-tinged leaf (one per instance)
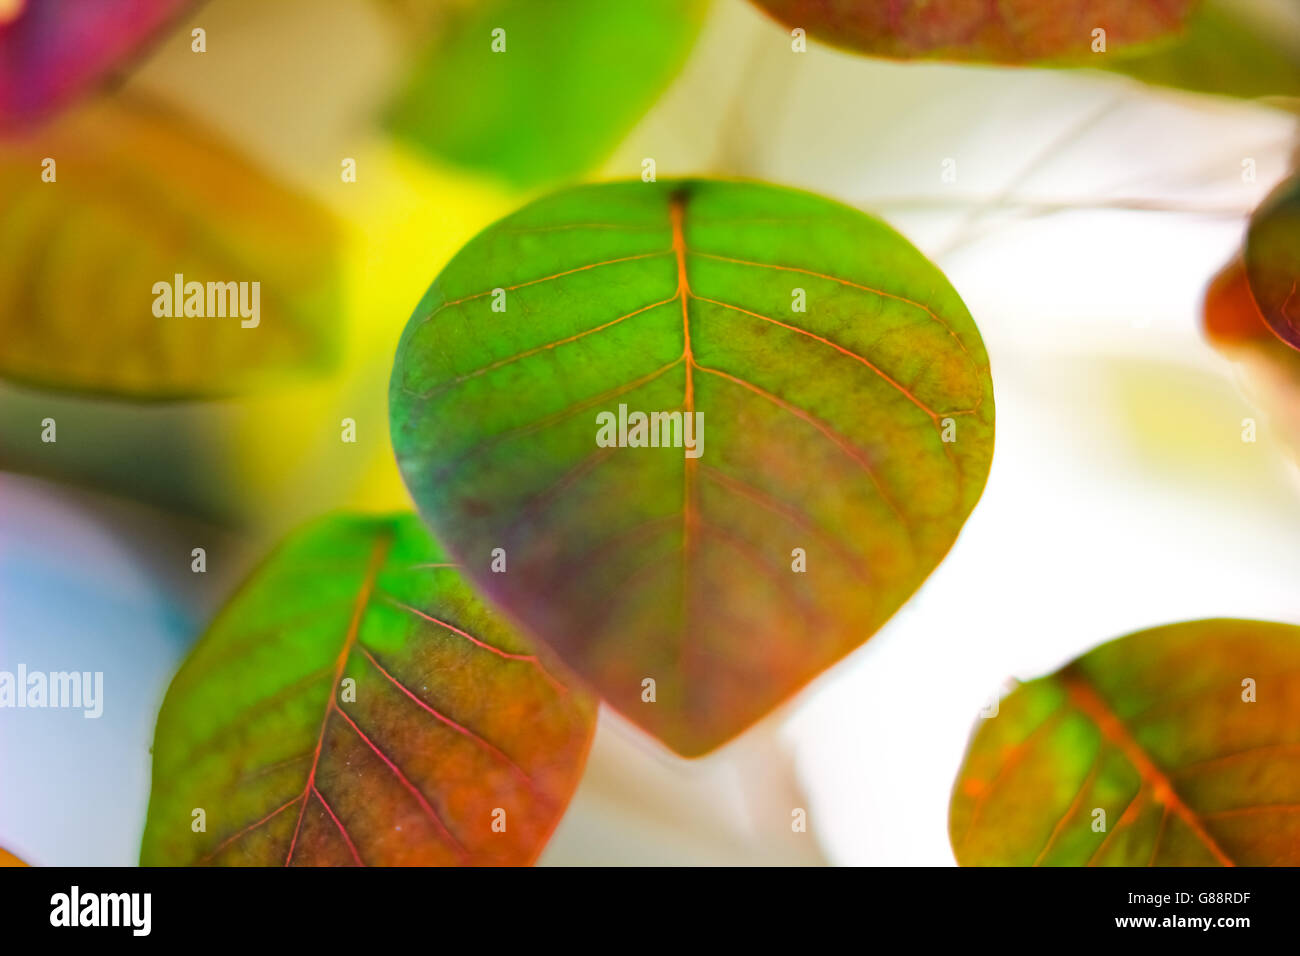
(53, 50)
(1232, 319)
(1005, 31)
(356, 704)
(847, 412)
(1236, 327)
(1176, 746)
(1272, 257)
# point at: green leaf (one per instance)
(1006, 31)
(575, 75)
(138, 196)
(822, 432)
(1186, 738)
(1226, 47)
(355, 703)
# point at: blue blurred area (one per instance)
(76, 594)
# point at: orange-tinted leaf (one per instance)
(1177, 746)
(8, 859)
(1235, 326)
(1005, 31)
(1273, 261)
(52, 50)
(1232, 320)
(356, 704)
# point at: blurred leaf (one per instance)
(8, 859)
(1234, 325)
(1232, 319)
(822, 432)
(53, 50)
(1272, 256)
(1007, 31)
(1227, 47)
(1232, 47)
(140, 197)
(1156, 730)
(355, 703)
(574, 77)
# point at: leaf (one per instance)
(1227, 47)
(822, 431)
(1154, 729)
(8, 859)
(574, 77)
(139, 197)
(1235, 326)
(1272, 257)
(53, 50)
(454, 722)
(1008, 31)
(1232, 319)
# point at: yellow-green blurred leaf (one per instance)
(117, 197)
(1228, 47)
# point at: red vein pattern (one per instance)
(423, 743)
(1148, 751)
(858, 430)
(377, 555)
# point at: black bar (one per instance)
(970, 906)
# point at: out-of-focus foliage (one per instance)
(537, 92)
(1177, 746)
(1233, 47)
(52, 50)
(1252, 309)
(1235, 326)
(8, 859)
(356, 704)
(847, 411)
(1007, 31)
(135, 196)
(1248, 48)
(1272, 256)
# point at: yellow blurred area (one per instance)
(283, 458)
(403, 221)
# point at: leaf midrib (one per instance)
(1085, 698)
(378, 553)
